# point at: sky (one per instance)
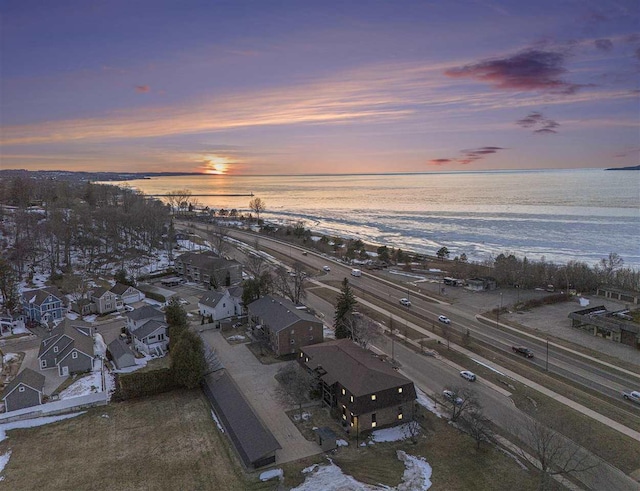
(304, 87)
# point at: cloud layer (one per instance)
(528, 70)
(468, 156)
(539, 123)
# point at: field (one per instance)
(163, 442)
(170, 442)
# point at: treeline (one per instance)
(52, 225)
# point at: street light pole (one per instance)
(499, 309)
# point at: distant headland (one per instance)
(92, 176)
(631, 167)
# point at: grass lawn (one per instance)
(163, 442)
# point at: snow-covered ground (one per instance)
(429, 404)
(488, 366)
(392, 434)
(416, 477)
(236, 337)
(9, 357)
(90, 384)
(271, 474)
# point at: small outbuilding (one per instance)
(121, 354)
(25, 390)
(326, 438)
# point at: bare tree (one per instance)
(476, 424)
(219, 236)
(257, 205)
(77, 287)
(256, 264)
(178, 199)
(412, 430)
(292, 284)
(553, 454)
(295, 384)
(462, 401)
(364, 330)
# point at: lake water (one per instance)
(561, 215)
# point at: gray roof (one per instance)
(27, 377)
(359, 370)
(211, 298)
(68, 328)
(205, 261)
(38, 297)
(120, 288)
(235, 291)
(98, 292)
(146, 312)
(279, 313)
(148, 328)
(250, 436)
(118, 348)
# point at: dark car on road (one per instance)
(521, 350)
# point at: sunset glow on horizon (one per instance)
(243, 88)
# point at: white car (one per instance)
(467, 375)
(326, 268)
(444, 318)
(406, 302)
(452, 397)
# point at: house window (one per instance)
(344, 412)
(55, 349)
(373, 397)
(74, 355)
(301, 354)
(151, 338)
(374, 423)
(160, 337)
(292, 332)
(311, 328)
(43, 363)
(400, 412)
(306, 359)
(351, 398)
(352, 419)
(21, 389)
(344, 392)
(399, 390)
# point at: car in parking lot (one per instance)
(326, 268)
(444, 318)
(467, 375)
(452, 397)
(406, 302)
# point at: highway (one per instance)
(433, 374)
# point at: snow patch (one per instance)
(9, 357)
(4, 460)
(489, 367)
(32, 423)
(99, 345)
(272, 474)
(215, 418)
(393, 434)
(417, 474)
(236, 337)
(429, 404)
(584, 302)
(342, 443)
(89, 384)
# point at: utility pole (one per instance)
(499, 309)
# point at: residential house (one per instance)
(219, 305)
(45, 304)
(106, 301)
(287, 327)
(152, 337)
(364, 387)
(208, 268)
(139, 316)
(121, 354)
(25, 390)
(128, 293)
(69, 348)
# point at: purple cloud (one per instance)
(603, 44)
(529, 70)
(541, 124)
(468, 156)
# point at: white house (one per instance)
(138, 317)
(152, 338)
(128, 293)
(219, 305)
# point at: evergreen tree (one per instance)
(345, 304)
(188, 363)
(175, 314)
